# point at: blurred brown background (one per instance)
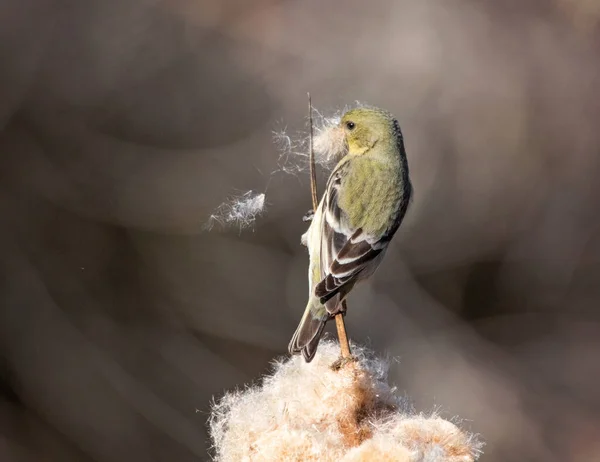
(125, 123)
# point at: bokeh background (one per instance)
(125, 123)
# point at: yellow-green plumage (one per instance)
(369, 192)
(363, 205)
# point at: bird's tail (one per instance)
(307, 335)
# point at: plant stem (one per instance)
(339, 318)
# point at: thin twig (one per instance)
(339, 318)
(341, 330)
(311, 154)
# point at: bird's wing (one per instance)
(345, 252)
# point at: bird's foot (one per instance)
(309, 215)
(342, 361)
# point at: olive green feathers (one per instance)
(364, 203)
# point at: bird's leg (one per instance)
(309, 215)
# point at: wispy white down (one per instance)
(328, 143)
(311, 412)
(329, 147)
(239, 211)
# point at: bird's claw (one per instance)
(342, 362)
(309, 215)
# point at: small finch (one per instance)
(365, 200)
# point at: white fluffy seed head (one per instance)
(311, 412)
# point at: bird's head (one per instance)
(364, 127)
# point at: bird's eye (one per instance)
(350, 125)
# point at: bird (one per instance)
(364, 202)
